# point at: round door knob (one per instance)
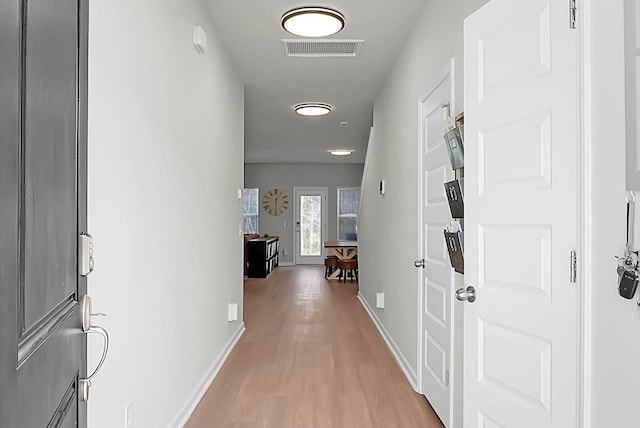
(419, 263)
(466, 294)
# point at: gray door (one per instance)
(43, 74)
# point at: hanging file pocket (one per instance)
(454, 247)
(455, 148)
(455, 195)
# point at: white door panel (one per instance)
(436, 253)
(521, 141)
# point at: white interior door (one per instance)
(436, 276)
(311, 224)
(521, 103)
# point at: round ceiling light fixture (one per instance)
(341, 152)
(312, 109)
(312, 21)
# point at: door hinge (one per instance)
(446, 377)
(573, 10)
(574, 267)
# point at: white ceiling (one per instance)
(250, 30)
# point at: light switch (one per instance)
(199, 39)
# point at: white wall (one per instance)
(165, 163)
(388, 242)
(615, 322)
(286, 176)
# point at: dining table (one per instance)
(342, 250)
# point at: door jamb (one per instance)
(82, 180)
(585, 235)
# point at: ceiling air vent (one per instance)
(322, 47)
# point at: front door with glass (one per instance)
(311, 225)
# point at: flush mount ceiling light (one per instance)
(341, 152)
(312, 109)
(312, 21)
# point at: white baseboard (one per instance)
(187, 409)
(286, 264)
(395, 351)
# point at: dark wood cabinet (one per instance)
(263, 256)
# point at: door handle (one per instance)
(419, 263)
(85, 383)
(466, 294)
(87, 328)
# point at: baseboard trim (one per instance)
(395, 351)
(286, 264)
(187, 409)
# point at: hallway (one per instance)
(310, 357)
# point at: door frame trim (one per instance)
(447, 72)
(325, 190)
(10, 55)
(82, 180)
(585, 234)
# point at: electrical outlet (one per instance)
(233, 312)
(380, 300)
(128, 415)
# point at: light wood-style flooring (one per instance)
(310, 358)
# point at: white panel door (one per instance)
(521, 103)
(436, 276)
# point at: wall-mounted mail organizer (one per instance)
(454, 233)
